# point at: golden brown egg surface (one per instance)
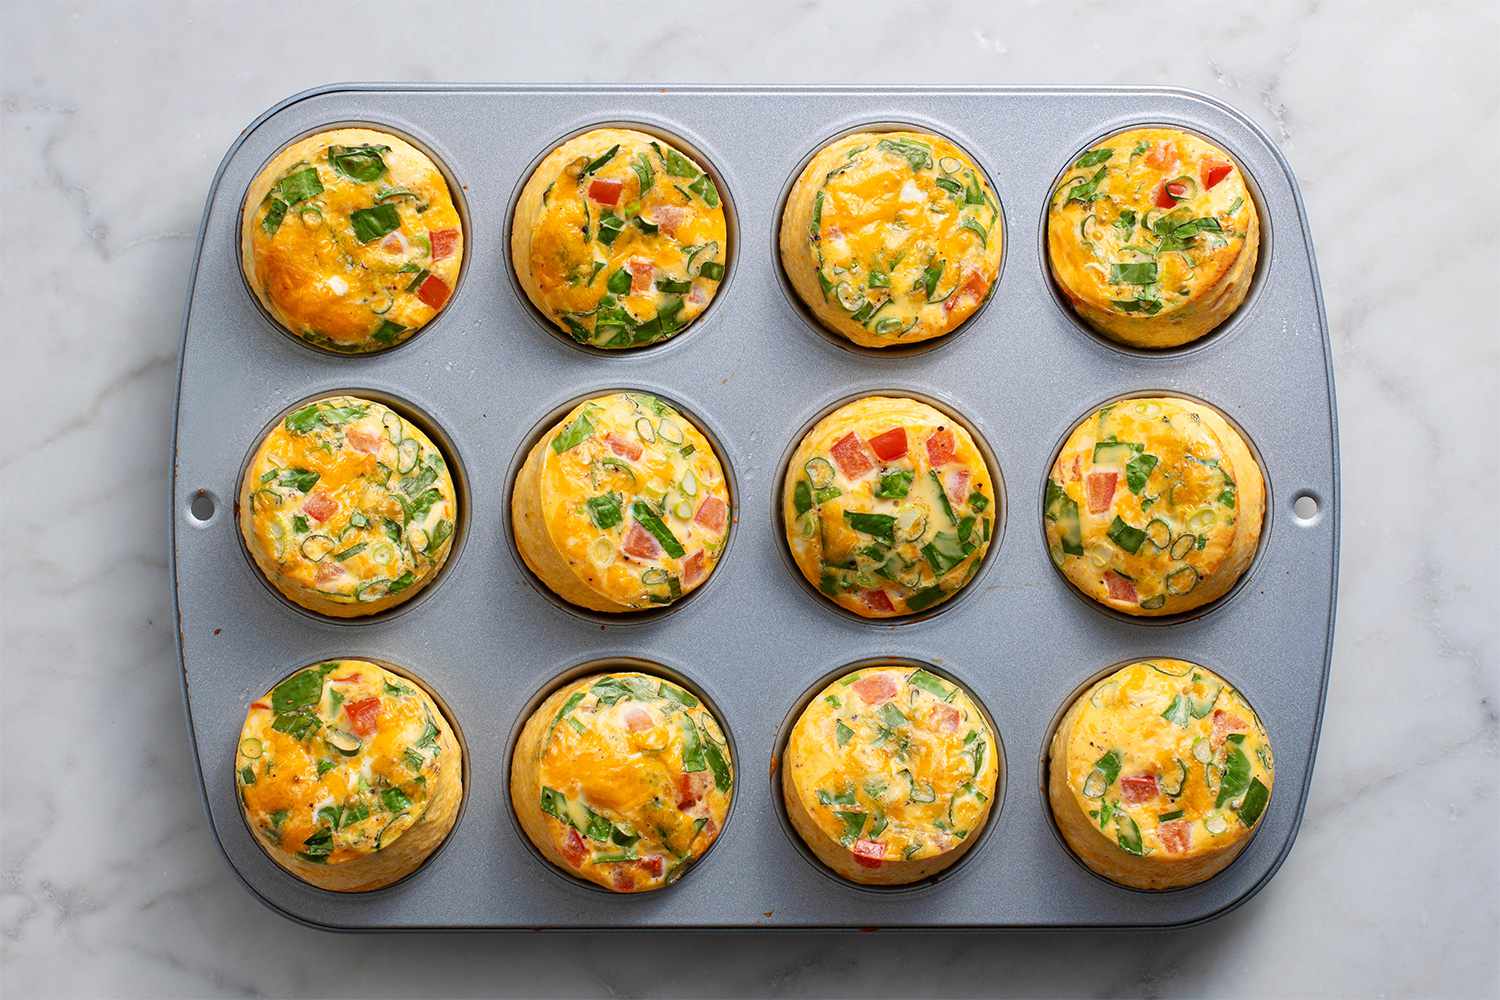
(888, 506)
(351, 240)
(349, 774)
(1152, 236)
(1154, 506)
(347, 507)
(623, 779)
(1158, 774)
(889, 774)
(622, 506)
(619, 239)
(892, 238)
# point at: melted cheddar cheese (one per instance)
(888, 506)
(892, 237)
(349, 775)
(622, 506)
(1154, 506)
(623, 779)
(889, 774)
(1158, 774)
(350, 239)
(347, 507)
(619, 239)
(1152, 236)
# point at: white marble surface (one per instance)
(113, 122)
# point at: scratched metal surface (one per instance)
(755, 372)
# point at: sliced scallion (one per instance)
(345, 743)
(1182, 581)
(819, 472)
(669, 432)
(317, 547)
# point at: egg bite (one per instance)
(888, 506)
(1158, 774)
(623, 779)
(347, 507)
(1154, 506)
(892, 238)
(349, 775)
(350, 239)
(1152, 237)
(619, 239)
(621, 506)
(889, 774)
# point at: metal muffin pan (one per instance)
(1023, 372)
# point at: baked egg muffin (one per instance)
(1152, 237)
(621, 506)
(349, 775)
(892, 237)
(347, 507)
(1158, 774)
(889, 774)
(888, 506)
(1154, 506)
(350, 239)
(619, 239)
(623, 779)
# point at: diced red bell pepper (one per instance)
(947, 718)
(572, 847)
(1138, 788)
(640, 543)
(1162, 155)
(1176, 835)
(365, 439)
(940, 448)
(623, 446)
(957, 485)
(1121, 588)
(690, 788)
(1212, 171)
(850, 455)
(713, 514)
(692, 569)
(330, 570)
(1100, 487)
(1170, 193)
(605, 191)
(443, 241)
(363, 715)
(433, 291)
(1224, 724)
(320, 506)
(974, 287)
(875, 688)
(671, 218)
(640, 274)
(868, 853)
(890, 445)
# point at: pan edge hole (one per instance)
(1307, 508)
(202, 506)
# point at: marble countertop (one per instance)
(114, 119)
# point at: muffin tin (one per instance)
(755, 373)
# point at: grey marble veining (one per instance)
(112, 121)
